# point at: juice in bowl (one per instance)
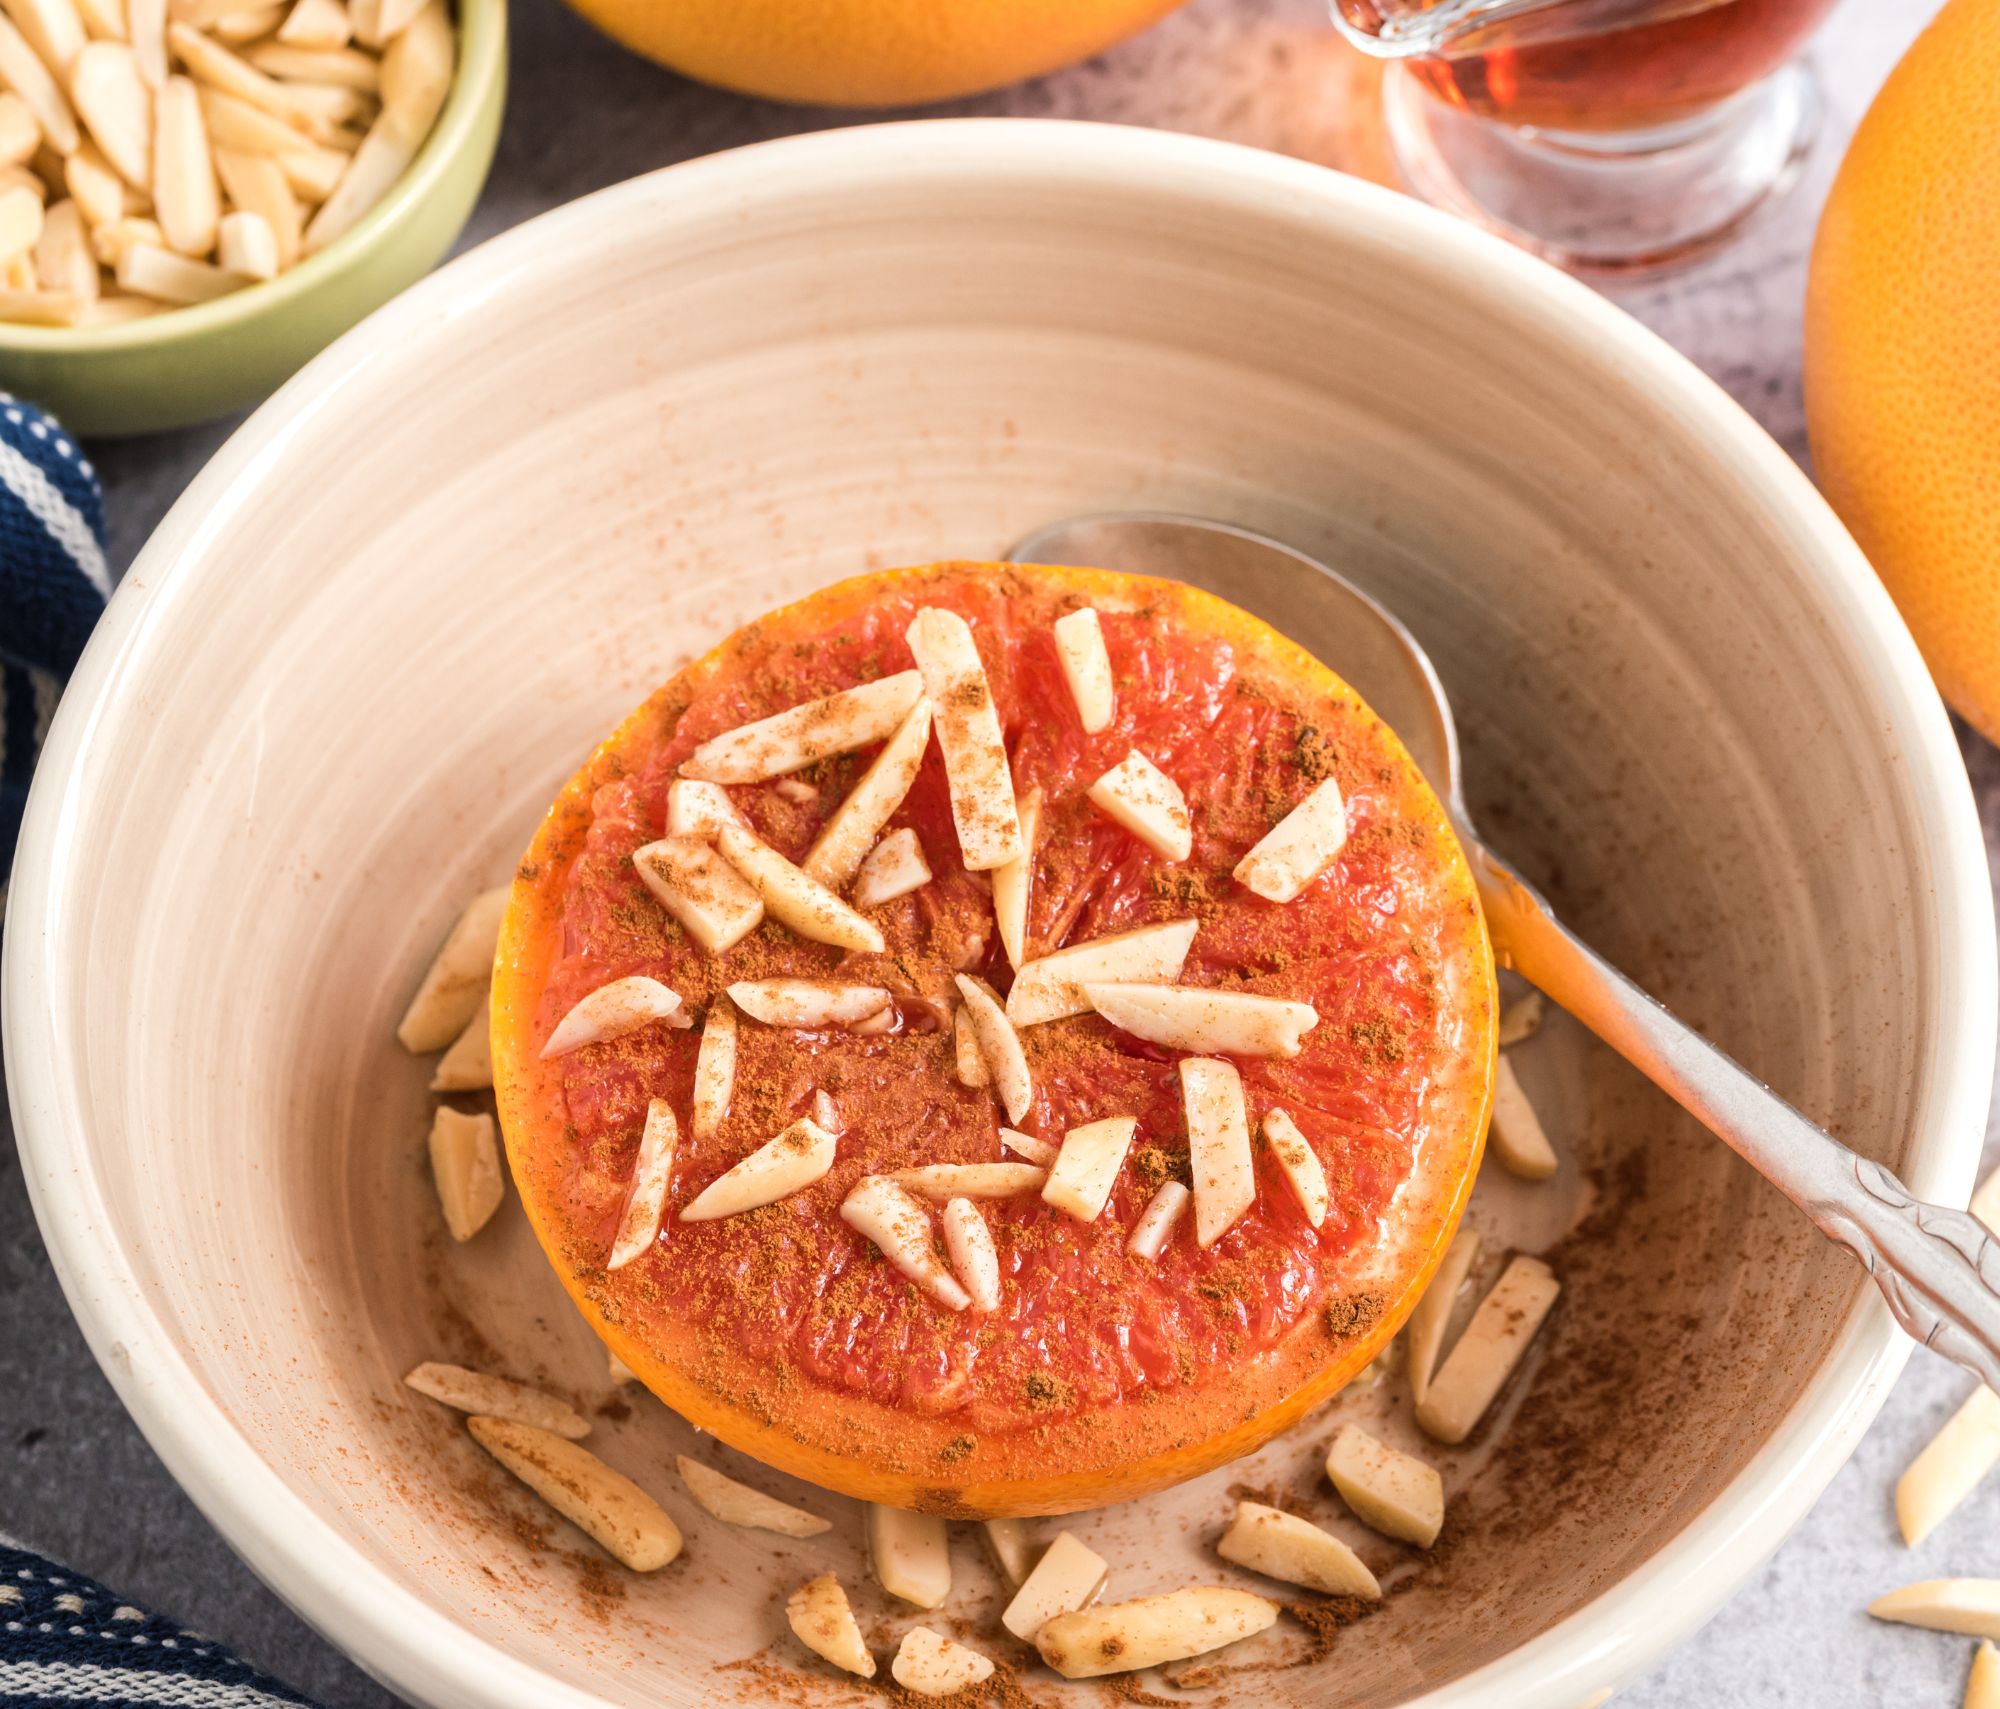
(1603, 134)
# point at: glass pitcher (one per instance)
(1603, 134)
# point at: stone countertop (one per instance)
(80, 1482)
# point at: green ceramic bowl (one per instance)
(194, 363)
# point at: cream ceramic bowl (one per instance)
(340, 684)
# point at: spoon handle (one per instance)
(1939, 1269)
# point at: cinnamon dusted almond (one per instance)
(880, 1210)
(839, 852)
(1225, 1177)
(1432, 1315)
(1070, 1575)
(806, 1003)
(1296, 850)
(738, 1504)
(1282, 1545)
(795, 790)
(1013, 881)
(1519, 1140)
(1000, 1045)
(821, 1618)
(968, 732)
(827, 1113)
(701, 891)
(1136, 794)
(792, 897)
(1158, 1221)
(1052, 987)
(968, 1060)
(1127, 1636)
(465, 1166)
(476, 1392)
(1389, 1491)
(1196, 1017)
(652, 1171)
(1298, 1163)
(454, 985)
(1086, 667)
(933, 1666)
(1037, 1151)
(715, 1068)
(778, 1168)
(697, 809)
(791, 740)
(911, 1554)
(1086, 1168)
(1494, 1342)
(941, 1181)
(974, 1258)
(894, 867)
(611, 1011)
(608, 1507)
(1012, 1548)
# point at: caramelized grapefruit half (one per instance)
(1099, 1374)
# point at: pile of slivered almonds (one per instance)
(719, 881)
(155, 153)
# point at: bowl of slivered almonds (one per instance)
(197, 195)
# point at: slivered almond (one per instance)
(974, 1259)
(652, 1170)
(933, 1666)
(109, 243)
(169, 278)
(806, 1004)
(465, 1166)
(52, 28)
(346, 67)
(1225, 1178)
(1158, 1221)
(1950, 1467)
(791, 740)
(792, 897)
(315, 24)
(1070, 1575)
(968, 731)
(20, 131)
(44, 308)
(1298, 848)
(1982, 1685)
(223, 69)
(1282, 1545)
(234, 123)
(894, 867)
(1086, 1168)
(697, 809)
(416, 72)
(1127, 1636)
(365, 20)
(108, 311)
(882, 1211)
(238, 28)
(1012, 882)
(1036, 1151)
(104, 20)
(1194, 1017)
(1521, 1019)
(840, 851)
(1012, 1547)
(910, 1553)
(1967, 1605)
(1051, 988)
(775, 1170)
(1986, 1202)
(704, 894)
(940, 1181)
(873, 1026)
(1432, 1315)
(617, 1370)
(738, 1504)
(113, 101)
(1486, 1354)
(98, 189)
(1000, 1045)
(185, 199)
(475, 1391)
(146, 22)
(20, 224)
(22, 70)
(1086, 667)
(971, 1065)
(1298, 1163)
(1136, 794)
(611, 1011)
(246, 244)
(396, 16)
(255, 184)
(821, 1618)
(382, 158)
(63, 261)
(609, 1508)
(796, 790)
(1519, 1140)
(715, 1068)
(1390, 1491)
(827, 1114)
(468, 1065)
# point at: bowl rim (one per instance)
(480, 71)
(431, 1657)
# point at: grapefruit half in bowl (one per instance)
(996, 1039)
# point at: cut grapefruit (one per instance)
(822, 1328)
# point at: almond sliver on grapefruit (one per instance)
(1099, 1375)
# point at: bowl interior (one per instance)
(389, 622)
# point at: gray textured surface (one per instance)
(77, 1480)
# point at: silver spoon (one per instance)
(1939, 1269)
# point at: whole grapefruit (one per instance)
(1902, 354)
(868, 53)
